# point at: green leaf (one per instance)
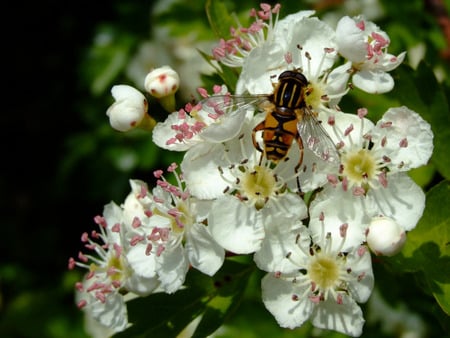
(107, 58)
(420, 91)
(212, 298)
(427, 248)
(219, 18)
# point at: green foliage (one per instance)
(214, 299)
(427, 249)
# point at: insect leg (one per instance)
(300, 161)
(260, 126)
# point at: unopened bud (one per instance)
(129, 110)
(385, 236)
(163, 83)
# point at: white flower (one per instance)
(375, 159)
(248, 191)
(214, 119)
(110, 273)
(297, 42)
(167, 234)
(365, 46)
(313, 277)
(128, 110)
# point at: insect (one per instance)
(287, 118)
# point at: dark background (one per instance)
(44, 209)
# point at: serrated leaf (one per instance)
(219, 18)
(211, 298)
(427, 248)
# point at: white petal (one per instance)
(277, 297)
(373, 81)
(280, 240)
(141, 286)
(203, 251)
(313, 36)
(262, 63)
(143, 265)
(200, 171)
(407, 126)
(112, 314)
(337, 83)
(163, 132)
(391, 62)
(339, 207)
(235, 226)
(361, 288)
(172, 269)
(351, 40)
(346, 317)
(343, 121)
(288, 205)
(226, 128)
(402, 199)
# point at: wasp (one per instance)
(287, 119)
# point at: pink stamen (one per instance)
(361, 25)
(343, 230)
(362, 112)
(348, 130)
(116, 228)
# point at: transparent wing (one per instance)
(218, 105)
(316, 138)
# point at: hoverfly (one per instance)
(287, 118)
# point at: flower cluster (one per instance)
(309, 190)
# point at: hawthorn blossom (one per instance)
(365, 46)
(375, 160)
(316, 275)
(167, 234)
(110, 275)
(214, 119)
(270, 46)
(247, 190)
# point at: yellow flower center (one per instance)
(185, 218)
(359, 166)
(314, 93)
(116, 263)
(258, 185)
(324, 271)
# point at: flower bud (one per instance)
(129, 110)
(385, 236)
(163, 83)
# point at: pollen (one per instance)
(259, 184)
(115, 268)
(314, 95)
(324, 271)
(359, 166)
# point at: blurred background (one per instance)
(62, 162)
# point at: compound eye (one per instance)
(294, 75)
